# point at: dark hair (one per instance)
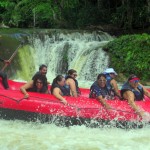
(101, 75)
(55, 81)
(40, 77)
(42, 66)
(71, 71)
(43, 79)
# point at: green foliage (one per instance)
(131, 14)
(130, 54)
(74, 13)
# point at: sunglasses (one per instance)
(112, 73)
(102, 80)
(75, 75)
(135, 81)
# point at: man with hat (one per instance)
(111, 82)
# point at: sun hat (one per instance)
(110, 70)
(133, 78)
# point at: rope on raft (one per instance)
(55, 101)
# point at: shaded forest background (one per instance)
(76, 14)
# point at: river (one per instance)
(20, 135)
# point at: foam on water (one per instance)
(16, 135)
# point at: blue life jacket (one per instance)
(105, 92)
(108, 84)
(139, 95)
(64, 89)
(108, 78)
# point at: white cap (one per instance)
(110, 70)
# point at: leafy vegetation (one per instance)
(130, 54)
(74, 13)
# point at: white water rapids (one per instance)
(19, 135)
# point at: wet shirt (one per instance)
(96, 91)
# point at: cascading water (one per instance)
(61, 51)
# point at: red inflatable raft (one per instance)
(81, 110)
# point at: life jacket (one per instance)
(64, 89)
(76, 84)
(139, 95)
(108, 84)
(105, 92)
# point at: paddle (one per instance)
(12, 56)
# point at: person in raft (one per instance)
(39, 84)
(111, 82)
(43, 71)
(100, 91)
(133, 91)
(3, 75)
(73, 83)
(59, 88)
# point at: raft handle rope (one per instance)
(13, 98)
(77, 108)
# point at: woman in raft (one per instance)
(133, 91)
(72, 82)
(38, 84)
(101, 92)
(60, 89)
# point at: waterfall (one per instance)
(64, 50)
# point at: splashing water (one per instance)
(16, 135)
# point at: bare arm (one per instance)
(25, 87)
(72, 85)
(103, 102)
(115, 86)
(56, 93)
(129, 95)
(146, 92)
(5, 61)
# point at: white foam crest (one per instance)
(17, 135)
